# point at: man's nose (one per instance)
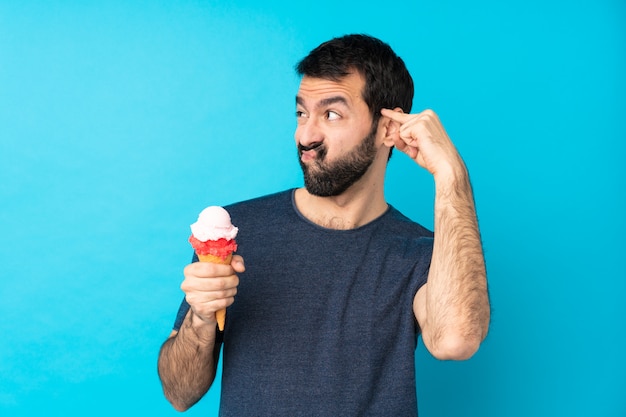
(309, 133)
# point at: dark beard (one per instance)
(332, 179)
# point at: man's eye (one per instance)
(299, 114)
(331, 115)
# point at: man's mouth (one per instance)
(311, 152)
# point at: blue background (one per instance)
(120, 121)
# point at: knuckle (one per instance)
(430, 115)
(206, 268)
(191, 299)
(220, 284)
(226, 294)
(188, 270)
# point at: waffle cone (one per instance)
(220, 315)
(216, 259)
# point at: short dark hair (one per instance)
(388, 83)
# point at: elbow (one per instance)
(458, 342)
(180, 406)
(180, 403)
(455, 347)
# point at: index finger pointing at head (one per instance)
(395, 115)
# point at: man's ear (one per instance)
(391, 129)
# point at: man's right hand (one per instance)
(210, 287)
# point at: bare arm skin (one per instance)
(188, 359)
(187, 363)
(452, 308)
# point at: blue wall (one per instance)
(119, 122)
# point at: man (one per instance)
(337, 284)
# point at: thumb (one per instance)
(238, 264)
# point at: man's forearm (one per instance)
(187, 363)
(457, 298)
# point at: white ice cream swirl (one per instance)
(213, 224)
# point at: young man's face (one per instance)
(334, 135)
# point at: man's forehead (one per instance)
(350, 88)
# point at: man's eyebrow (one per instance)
(325, 102)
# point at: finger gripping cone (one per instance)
(220, 315)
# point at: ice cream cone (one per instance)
(213, 239)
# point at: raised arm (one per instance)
(188, 359)
(452, 308)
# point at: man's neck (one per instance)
(353, 208)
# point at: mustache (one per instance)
(314, 145)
